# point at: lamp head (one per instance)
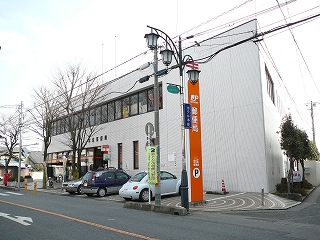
(166, 56)
(193, 75)
(152, 39)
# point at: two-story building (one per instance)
(241, 111)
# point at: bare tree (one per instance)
(9, 131)
(43, 115)
(78, 92)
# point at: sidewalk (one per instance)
(233, 201)
(30, 186)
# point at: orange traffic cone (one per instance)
(223, 188)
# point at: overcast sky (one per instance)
(39, 36)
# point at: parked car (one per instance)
(137, 188)
(103, 182)
(74, 186)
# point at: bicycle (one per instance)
(52, 180)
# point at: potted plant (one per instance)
(11, 182)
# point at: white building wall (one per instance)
(239, 121)
(312, 173)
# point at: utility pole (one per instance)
(20, 145)
(312, 104)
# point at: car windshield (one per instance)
(87, 176)
(138, 177)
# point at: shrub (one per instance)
(282, 187)
(302, 191)
(11, 179)
(300, 187)
(305, 184)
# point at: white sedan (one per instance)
(137, 186)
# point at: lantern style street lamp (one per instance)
(193, 75)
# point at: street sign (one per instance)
(187, 115)
(173, 89)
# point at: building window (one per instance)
(63, 125)
(125, 107)
(58, 127)
(150, 100)
(92, 117)
(270, 85)
(105, 137)
(118, 109)
(110, 111)
(134, 105)
(119, 155)
(143, 102)
(136, 155)
(98, 115)
(104, 113)
(75, 120)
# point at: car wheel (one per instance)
(144, 195)
(71, 192)
(79, 190)
(89, 194)
(127, 199)
(101, 192)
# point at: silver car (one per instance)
(137, 188)
(73, 186)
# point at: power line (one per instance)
(296, 43)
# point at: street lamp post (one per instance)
(152, 44)
(193, 75)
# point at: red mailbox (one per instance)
(5, 178)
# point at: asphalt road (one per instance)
(58, 215)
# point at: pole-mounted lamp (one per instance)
(193, 75)
(152, 39)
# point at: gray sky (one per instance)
(39, 36)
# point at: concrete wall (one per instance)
(313, 172)
(37, 175)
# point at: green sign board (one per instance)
(173, 89)
(152, 155)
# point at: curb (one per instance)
(160, 209)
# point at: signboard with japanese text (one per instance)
(296, 176)
(152, 155)
(187, 115)
(105, 148)
(195, 171)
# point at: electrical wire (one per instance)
(297, 45)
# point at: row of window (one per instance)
(128, 106)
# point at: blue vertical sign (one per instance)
(187, 115)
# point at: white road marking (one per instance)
(14, 193)
(4, 194)
(18, 219)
